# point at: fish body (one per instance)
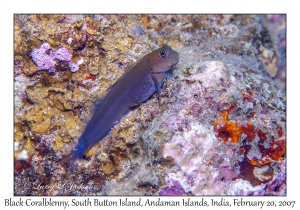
(135, 86)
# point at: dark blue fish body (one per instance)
(134, 87)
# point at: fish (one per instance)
(134, 87)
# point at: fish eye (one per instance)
(162, 54)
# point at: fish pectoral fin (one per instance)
(157, 87)
(167, 77)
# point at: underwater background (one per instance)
(220, 129)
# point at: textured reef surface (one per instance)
(220, 129)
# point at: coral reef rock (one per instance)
(220, 128)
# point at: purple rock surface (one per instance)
(174, 189)
(46, 59)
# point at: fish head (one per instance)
(163, 59)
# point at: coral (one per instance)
(42, 57)
(231, 132)
(21, 165)
(39, 118)
(220, 129)
(46, 59)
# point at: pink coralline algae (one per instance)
(46, 59)
(174, 189)
(62, 54)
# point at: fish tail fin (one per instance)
(79, 153)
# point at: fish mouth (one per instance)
(177, 61)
